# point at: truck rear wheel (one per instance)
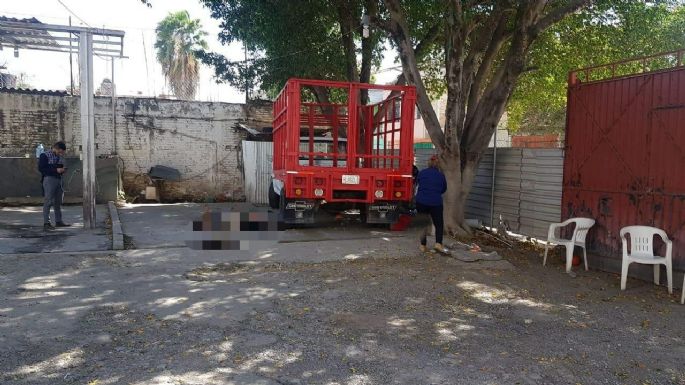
(274, 199)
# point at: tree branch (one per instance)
(368, 44)
(346, 21)
(422, 47)
(483, 117)
(457, 33)
(419, 52)
(499, 36)
(400, 34)
(557, 14)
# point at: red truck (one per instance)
(341, 154)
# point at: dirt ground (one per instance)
(417, 319)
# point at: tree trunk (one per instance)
(453, 199)
(460, 179)
(346, 22)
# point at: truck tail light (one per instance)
(318, 192)
(380, 183)
(319, 181)
(398, 194)
(299, 180)
(399, 183)
(298, 191)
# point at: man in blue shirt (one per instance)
(51, 167)
(432, 185)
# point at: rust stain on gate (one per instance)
(625, 150)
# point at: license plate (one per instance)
(350, 179)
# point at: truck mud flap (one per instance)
(383, 212)
(299, 211)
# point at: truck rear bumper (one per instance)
(299, 211)
(383, 212)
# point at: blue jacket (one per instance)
(47, 167)
(432, 185)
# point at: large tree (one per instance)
(485, 51)
(178, 39)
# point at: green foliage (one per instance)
(285, 39)
(607, 32)
(303, 39)
(178, 38)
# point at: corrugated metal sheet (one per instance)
(508, 187)
(421, 156)
(478, 201)
(625, 156)
(527, 188)
(258, 163)
(541, 178)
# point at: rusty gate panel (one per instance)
(625, 156)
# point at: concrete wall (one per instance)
(20, 181)
(196, 138)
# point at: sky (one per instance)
(139, 74)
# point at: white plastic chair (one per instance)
(642, 251)
(582, 225)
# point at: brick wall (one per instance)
(196, 138)
(536, 141)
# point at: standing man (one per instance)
(51, 167)
(432, 185)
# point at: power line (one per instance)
(73, 13)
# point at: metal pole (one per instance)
(492, 188)
(247, 86)
(114, 111)
(87, 128)
(71, 65)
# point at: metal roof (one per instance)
(25, 37)
(32, 91)
(32, 34)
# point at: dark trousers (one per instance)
(435, 213)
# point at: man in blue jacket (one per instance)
(432, 184)
(51, 167)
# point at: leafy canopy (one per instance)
(607, 32)
(287, 39)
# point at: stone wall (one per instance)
(197, 138)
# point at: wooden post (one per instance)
(87, 128)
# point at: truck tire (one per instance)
(274, 199)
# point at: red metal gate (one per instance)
(625, 150)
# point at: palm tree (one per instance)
(178, 37)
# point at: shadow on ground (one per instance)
(418, 319)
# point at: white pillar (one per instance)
(87, 128)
